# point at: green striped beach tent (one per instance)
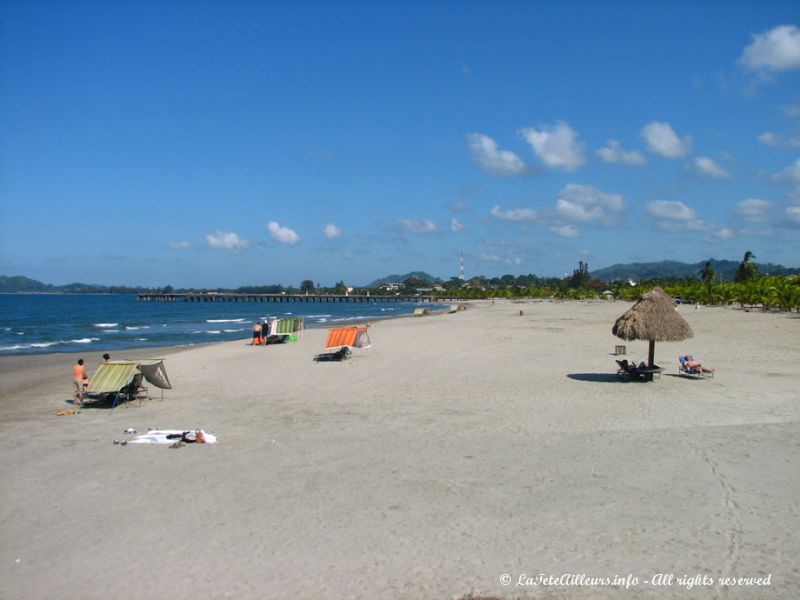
(289, 326)
(113, 377)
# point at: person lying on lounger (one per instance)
(692, 365)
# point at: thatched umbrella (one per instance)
(655, 319)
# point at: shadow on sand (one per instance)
(598, 377)
(104, 402)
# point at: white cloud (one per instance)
(776, 140)
(421, 227)
(585, 203)
(507, 256)
(706, 167)
(790, 174)
(754, 209)
(613, 153)
(775, 50)
(768, 139)
(455, 225)
(793, 214)
(513, 214)
(720, 235)
(568, 231)
(281, 234)
(662, 139)
(502, 163)
(557, 146)
(792, 110)
(226, 240)
(332, 231)
(180, 245)
(673, 211)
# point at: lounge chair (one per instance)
(342, 353)
(694, 371)
(627, 369)
(135, 389)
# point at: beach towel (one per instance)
(162, 436)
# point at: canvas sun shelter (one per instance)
(287, 326)
(112, 377)
(354, 337)
(155, 372)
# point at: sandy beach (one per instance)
(459, 449)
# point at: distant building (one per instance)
(392, 287)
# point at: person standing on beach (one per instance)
(80, 379)
(257, 334)
(106, 358)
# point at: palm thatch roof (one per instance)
(653, 318)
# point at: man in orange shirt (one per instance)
(80, 378)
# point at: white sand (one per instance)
(459, 448)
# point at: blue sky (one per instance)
(232, 143)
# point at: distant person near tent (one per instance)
(257, 339)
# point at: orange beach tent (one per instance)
(356, 337)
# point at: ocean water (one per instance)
(48, 323)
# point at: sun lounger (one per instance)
(633, 372)
(342, 353)
(693, 371)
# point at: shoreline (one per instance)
(33, 363)
(345, 322)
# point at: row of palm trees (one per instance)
(770, 292)
(765, 292)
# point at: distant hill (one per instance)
(23, 284)
(19, 284)
(725, 270)
(421, 275)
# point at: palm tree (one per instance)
(727, 293)
(746, 270)
(785, 293)
(707, 273)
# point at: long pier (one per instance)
(225, 297)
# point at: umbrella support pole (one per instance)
(651, 359)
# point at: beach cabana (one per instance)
(116, 376)
(354, 337)
(111, 377)
(286, 328)
(652, 318)
(155, 372)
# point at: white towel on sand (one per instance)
(159, 436)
